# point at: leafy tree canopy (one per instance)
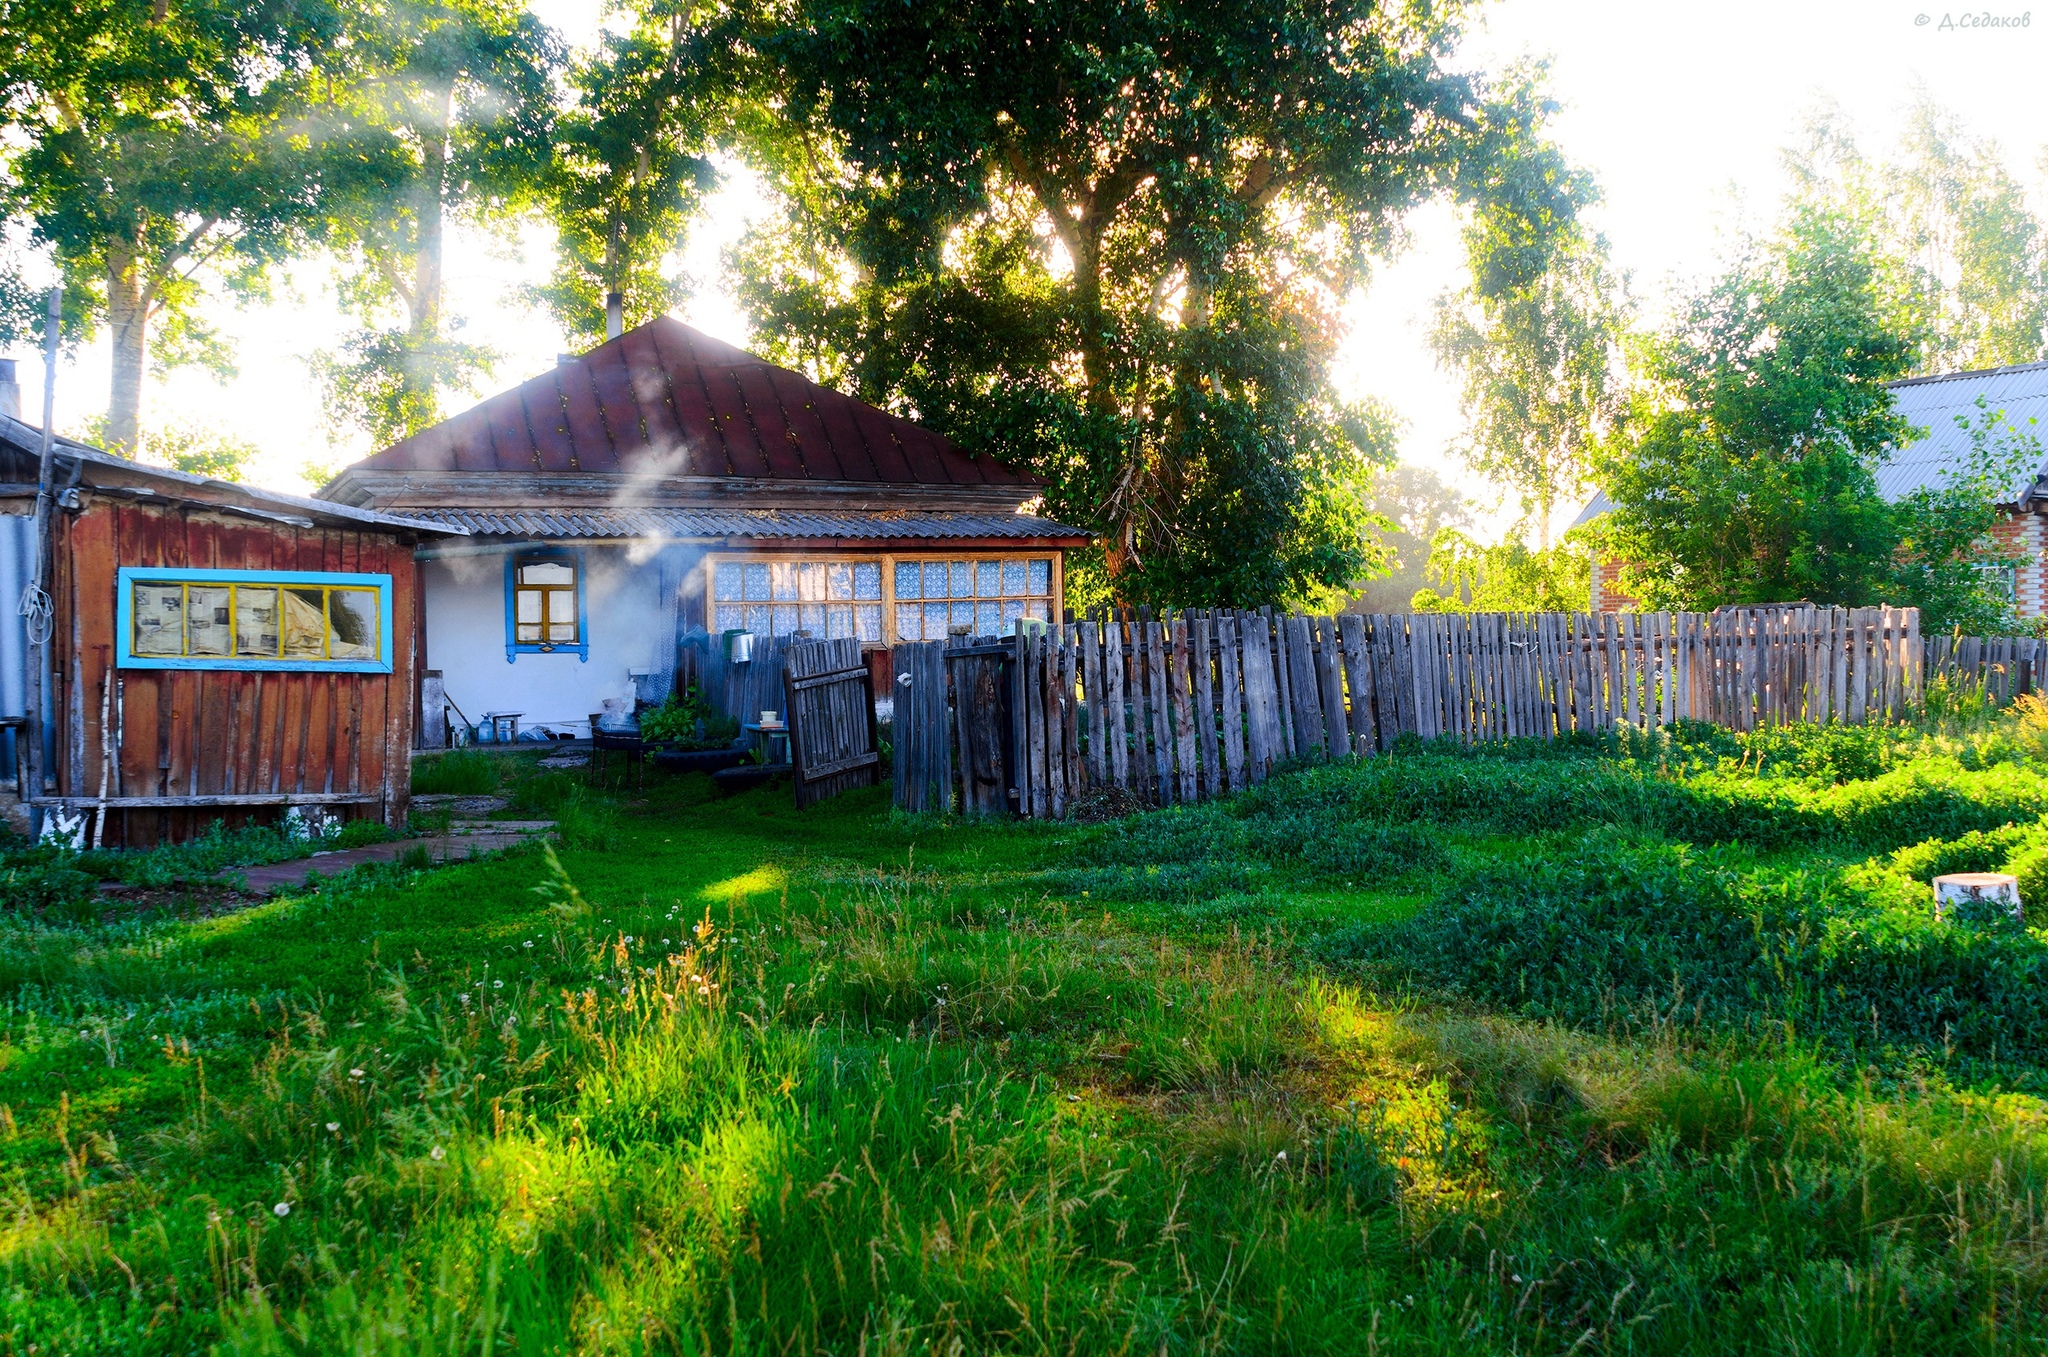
(183, 445)
(1108, 240)
(632, 163)
(1959, 247)
(146, 141)
(1537, 360)
(1414, 503)
(1745, 470)
(1507, 578)
(432, 113)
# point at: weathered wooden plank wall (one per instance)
(172, 750)
(1195, 705)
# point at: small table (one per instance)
(504, 726)
(766, 740)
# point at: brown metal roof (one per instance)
(668, 400)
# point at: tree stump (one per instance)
(1978, 897)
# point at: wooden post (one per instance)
(1202, 656)
(1230, 682)
(1178, 687)
(1114, 729)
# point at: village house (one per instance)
(209, 651)
(666, 490)
(1932, 405)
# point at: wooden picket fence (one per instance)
(2006, 666)
(1188, 706)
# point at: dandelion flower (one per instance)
(355, 1074)
(529, 942)
(497, 984)
(334, 1126)
(437, 1154)
(281, 1210)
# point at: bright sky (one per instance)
(1679, 110)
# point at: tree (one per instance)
(1107, 240)
(146, 143)
(632, 165)
(1948, 563)
(1536, 362)
(1414, 504)
(437, 113)
(1956, 238)
(182, 445)
(1505, 578)
(1744, 470)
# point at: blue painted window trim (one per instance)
(128, 576)
(514, 648)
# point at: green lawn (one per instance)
(1640, 1046)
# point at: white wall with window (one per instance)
(624, 627)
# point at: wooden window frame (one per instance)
(127, 577)
(514, 647)
(1055, 600)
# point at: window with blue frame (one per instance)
(544, 604)
(253, 619)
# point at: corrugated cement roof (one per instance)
(666, 400)
(763, 523)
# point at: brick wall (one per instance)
(2023, 533)
(1607, 595)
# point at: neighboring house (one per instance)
(666, 488)
(1932, 405)
(216, 651)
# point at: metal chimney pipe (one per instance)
(614, 314)
(10, 390)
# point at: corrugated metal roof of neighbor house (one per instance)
(667, 400)
(1933, 404)
(761, 523)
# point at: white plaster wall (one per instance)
(628, 630)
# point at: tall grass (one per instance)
(462, 772)
(734, 1079)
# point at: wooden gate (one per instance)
(986, 698)
(832, 744)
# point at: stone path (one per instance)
(465, 839)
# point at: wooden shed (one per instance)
(216, 651)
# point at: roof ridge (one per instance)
(2003, 371)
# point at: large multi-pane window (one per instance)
(226, 619)
(986, 595)
(880, 599)
(829, 599)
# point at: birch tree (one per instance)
(149, 144)
(438, 114)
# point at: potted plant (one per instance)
(689, 735)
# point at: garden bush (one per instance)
(1606, 931)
